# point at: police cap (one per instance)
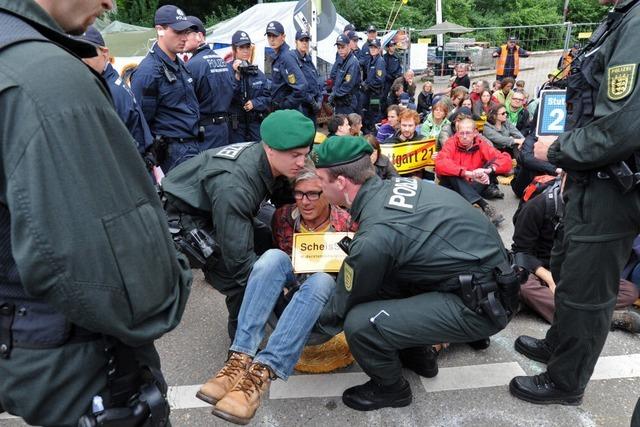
(197, 24)
(372, 29)
(172, 16)
(92, 36)
(349, 27)
(287, 129)
(342, 40)
(352, 35)
(303, 34)
(340, 150)
(374, 42)
(240, 38)
(275, 28)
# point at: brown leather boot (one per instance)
(216, 387)
(241, 403)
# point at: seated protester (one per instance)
(533, 236)
(461, 78)
(237, 389)
(408, 85)
(502, 134)
(468, 164)
(479, 87)
(339, 125)
(425, 99)
(393, 98)
(437, 125)
(496, 86)
(382, 164)
(482, 107)
(355, 124)
(457, 96)
(389, 127)
(520, 88)
(517, 114)
(466, 103)
(529, 167)
(409, 120)
(503, 95)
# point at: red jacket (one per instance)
(454, 161)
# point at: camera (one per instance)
(247, 69)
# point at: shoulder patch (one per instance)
(403, 195)
(347, 77)
(347, 276)
(379, 73)
(291, 78)
(621, 81)
(232, 151)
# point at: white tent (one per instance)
(254, 22)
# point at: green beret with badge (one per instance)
(340, 150)
(285, 130)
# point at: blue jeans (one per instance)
(271, 273)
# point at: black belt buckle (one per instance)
(7, 311)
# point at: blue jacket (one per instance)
(314, 91)
(258, 92)
(128, 109)
(288, 85)
(212, 81)
(393, 67)
(347, 80)
(375, 75)
(164, 89)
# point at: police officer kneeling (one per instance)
(425, 267)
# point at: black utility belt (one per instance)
(36, 325)
(253, 115)
(170, 140)
(214, 119)
(621, 175)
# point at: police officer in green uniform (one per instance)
(600, 151)
(222, 189)
(86, 260)
(424, 268)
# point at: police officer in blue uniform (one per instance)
(164, 88)
(288, 85)
(393, 71)
(353, 44)
(313, 102)
(372, 34)
(123, 100)
(213, 83)
(251, 95)
(372, 87)
(344, 97)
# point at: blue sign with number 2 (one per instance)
(552, 113)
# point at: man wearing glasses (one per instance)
(517, 114)
(236, 394)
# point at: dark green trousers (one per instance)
(600, 225)
(55, 387)
(377, 330)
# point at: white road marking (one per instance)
(454, 378)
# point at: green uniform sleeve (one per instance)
(613, 135)
(233, 212)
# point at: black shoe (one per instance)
(370, 396)
(540, 389)
(533, 348)
(421, 360)
(492, 192)
(480, 344)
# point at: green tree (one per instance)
(136, 12)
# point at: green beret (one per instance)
(340, 150)
(287, 129)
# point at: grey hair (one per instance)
(307, 173)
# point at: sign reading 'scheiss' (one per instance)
(317, 252)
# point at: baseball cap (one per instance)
(342, 40)
(240, 38)
(92, 36)
(371, 28)
(390, 43)
(172, 16)
(352, 35)
(197, 24)
(349, 27)
(513, 39)
(303, 34)
(274, 27)
(375, 42)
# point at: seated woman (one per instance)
(502, 134)
(457, 96)
(236, 389)
(436, 125)
(482, 107)
(425, 99)
(384, 167)
(466, 103)
(390, 126)
(504, 93)
(355, 122)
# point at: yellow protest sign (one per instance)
(425, 40)
(410, 156)
(315, 252)
(584, 35)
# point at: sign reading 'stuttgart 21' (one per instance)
(552, 112)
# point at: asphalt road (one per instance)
(469, 391)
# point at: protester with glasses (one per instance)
(516, 113)
(499, 130)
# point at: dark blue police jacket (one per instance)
(347, 72)
(164, 89)
(375, 75)
(393, 66)
(128, 109)
(212, 81)
(314, 91)
(288, 85)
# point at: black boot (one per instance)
(370, 396)
(482, 344)
(540, 389)
(421, 360)
(533, 348)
